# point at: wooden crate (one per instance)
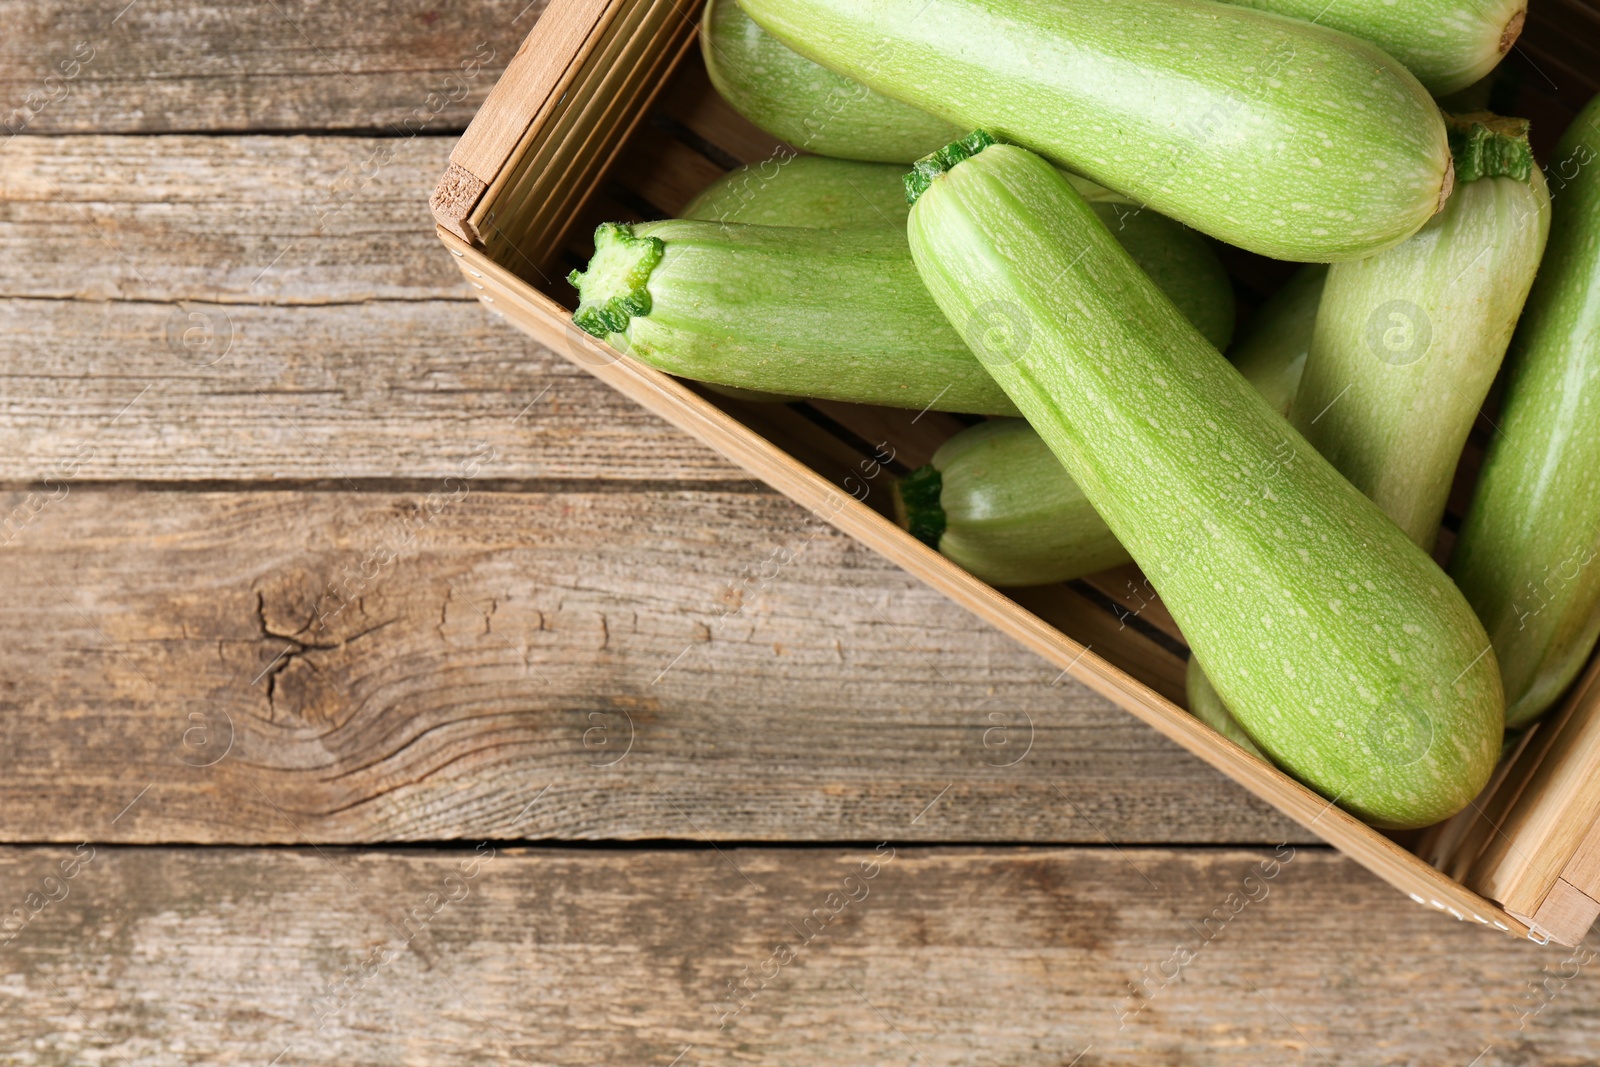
(606, 113)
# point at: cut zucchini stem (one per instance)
(616, 286)
(1485, 145)
(786, 310)
(932, 167)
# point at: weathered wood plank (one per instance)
(278, 311)
(165, 65)
(387, 665)
(400, 389)
(231, 220)
(896, 955)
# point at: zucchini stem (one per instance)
(1485, 145)
(616, 286)
(932, 167)
(917, 507)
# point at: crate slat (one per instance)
(537, 194)
(560, 40)
(1541, 833)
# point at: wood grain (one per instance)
(1583, 870)
(168, 65)
(336, 394)
(992, 957)
(1542, 831)
(537, 70)
(233, 220)
(383, 666)
(1565, 914)
(280, 308)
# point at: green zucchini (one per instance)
(831, 314)
(1447, 44)
(1175, 257)
(1348, 655)
(1272, 357)
(1283, 137)
(1272, 353)
(1207, 706)
(997, 502)
(815, 191)
(805, 104)
(1408, 341)
(1525, 554)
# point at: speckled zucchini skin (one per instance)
(1276, 135)
(1348, 655)
(814, 191)
(807, 105)
(1526, 557)
(1408, 342)
(819, 192)
(1447, 44)
(1207, 706)
(1272, 353)
(1009, 513)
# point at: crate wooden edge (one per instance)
(550, 324)
(549, 57)
(637, 94)
(1547, 834)
(1531, 841)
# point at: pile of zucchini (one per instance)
(1012, 210)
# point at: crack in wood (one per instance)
(299, 650)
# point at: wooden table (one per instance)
(378, 688)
